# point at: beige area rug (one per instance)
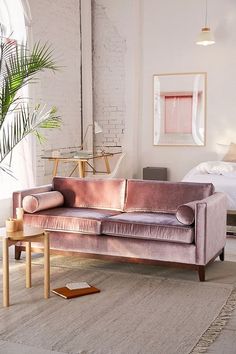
(139, 309)
(217, 272)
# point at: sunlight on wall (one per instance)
(13, 23)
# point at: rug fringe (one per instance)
(217, 325)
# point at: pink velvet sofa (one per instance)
(180, 224)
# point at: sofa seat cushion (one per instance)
(151, 226)
(79, 220)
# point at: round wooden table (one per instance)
(28, 235)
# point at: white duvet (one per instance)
(221, 174)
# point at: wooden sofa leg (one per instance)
(201, 273)
(222, 255)
(17, 252)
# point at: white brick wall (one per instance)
(57, 22)
(109, 49)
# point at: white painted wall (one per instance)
(57, 22)
(168, 46)
(155, 36)
(160, 38)
(5, 210)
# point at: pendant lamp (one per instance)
(206, 36)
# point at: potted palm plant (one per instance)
(18, 67)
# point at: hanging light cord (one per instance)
(206, 15)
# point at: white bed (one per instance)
(221, 174)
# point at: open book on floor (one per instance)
(69, 294)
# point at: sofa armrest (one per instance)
(210, 227)
(19, 195)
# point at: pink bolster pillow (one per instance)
(186, 213)
(40, 201)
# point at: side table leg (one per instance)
(28, 264)
(46, 266)
(5, 261)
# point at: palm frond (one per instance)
(25, 122)
(19, 67)
(7, 170)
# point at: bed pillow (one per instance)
(231, 154)
(41, 201)
(186, 213)
(216, 167)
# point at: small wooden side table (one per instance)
(28, 235)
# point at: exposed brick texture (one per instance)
(63, 88)
(109, 50)
(57, 22)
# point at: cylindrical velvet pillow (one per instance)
(186, 213)
(41, 201)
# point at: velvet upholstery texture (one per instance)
(165, 197)
(18, 196)
(123, 247)
(210, 229)
(91, 193)
(152, 232)
(150, 226)
(186, 213)
(69, 219)
(40, 201)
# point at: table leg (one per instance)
(91, 166)
(5, 261)
(107, 164)
(81, 169)
(46, 266)
(73, 170)
(55, 167)
(28, 265)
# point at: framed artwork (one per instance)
(180, 109)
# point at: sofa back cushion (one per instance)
(165, 197)
(91, 193)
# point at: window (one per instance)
(12, 19)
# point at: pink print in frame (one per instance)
(179, 109)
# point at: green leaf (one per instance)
(19, 67)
